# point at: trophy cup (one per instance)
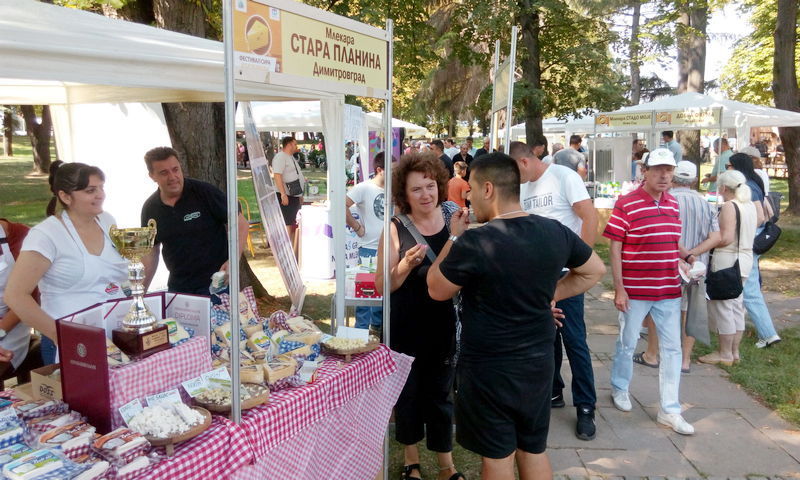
(140, 334)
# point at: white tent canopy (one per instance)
(554, 125)
(69, 56)
(375, 122)
(735, 115)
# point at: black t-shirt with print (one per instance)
(508, 269)
(192, 234)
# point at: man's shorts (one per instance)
(290, 211)
(502, 408)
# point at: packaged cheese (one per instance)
(59, 435)
(177, 334)
(14, 452)
(115, 355)
(36, 464)
(52, 420)
(98, 470)
(309, 338)
(119, 442)
(251, 373)
(136, 465)
(301, 325)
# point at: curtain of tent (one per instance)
(332, 127)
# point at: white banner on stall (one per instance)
(271, 216)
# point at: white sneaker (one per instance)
(621, 400)
(676, 422)
(767, 342)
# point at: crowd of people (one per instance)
(485, 312)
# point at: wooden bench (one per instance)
(777, 170)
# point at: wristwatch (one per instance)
(686, 258)
(453, 238)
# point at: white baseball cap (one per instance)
(751, 151)
(660, 156)
(686, 169)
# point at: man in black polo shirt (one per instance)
(191, 221)
(509, 273)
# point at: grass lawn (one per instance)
(768, 374)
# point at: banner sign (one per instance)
(631, 120)
(279, 42)
(271, 215)
(501, 85)
(689, 118)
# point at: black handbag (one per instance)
(726, 283)
(765, 240)
(294, 188)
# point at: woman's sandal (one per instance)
(639, 358)
(407, 469)
(457, 475)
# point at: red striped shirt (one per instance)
(649, 232)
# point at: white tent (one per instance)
(555, 125)
(78, 61)
(375, 122)
(735, 115)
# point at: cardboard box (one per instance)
(24, 391)
(44, 386)
(365, 286)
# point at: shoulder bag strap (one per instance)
(412, 229)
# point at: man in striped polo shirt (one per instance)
(645, 232)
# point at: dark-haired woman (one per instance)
(420, 326)
(69, 256)
(753, 298)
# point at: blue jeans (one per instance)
(667, 318)
(754, 301)
(366, 316)
(573, 334)
(47, 348)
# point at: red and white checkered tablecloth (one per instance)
(158, 373)
(290, 411)
(345, 442)
(213, 454)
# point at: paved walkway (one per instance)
(736, 437)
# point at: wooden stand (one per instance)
(140, 345)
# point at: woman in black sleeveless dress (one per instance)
(420, 326)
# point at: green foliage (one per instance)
(747, 76)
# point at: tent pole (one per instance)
(233, 211)
(510, 99)
(387, 212)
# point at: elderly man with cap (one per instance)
(645, 233)
(699, 234)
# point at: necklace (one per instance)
(508, 213)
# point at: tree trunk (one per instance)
(634, 49)
(787, 94)
(8, 132)
(691, 66)
(39, 135)
(531, 72)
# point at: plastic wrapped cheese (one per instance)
(120, 441)
(135, 465)
(176, 331)
(37, 464)
(59, 435)
(14, 452)
(98, 470)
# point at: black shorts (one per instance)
(502, 408)
(290, 211)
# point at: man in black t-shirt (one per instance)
(508, 272)
(191, 222)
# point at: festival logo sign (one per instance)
(623, 120)
(689, 118)
(279, 42)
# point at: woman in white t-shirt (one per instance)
(69, 255)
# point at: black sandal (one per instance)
(457, 475)
(407, 469)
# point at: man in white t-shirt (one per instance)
(367, 199)
(450, 148)
(288, 176)
(557, 192)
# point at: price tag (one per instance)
(354, 333)
(130, 409)
(308, 371)
(218, 378)
(168, 397)
(195, 386)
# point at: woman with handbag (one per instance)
(421, 326)
(753, 298)
(737, 224)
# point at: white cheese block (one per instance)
(34, 465)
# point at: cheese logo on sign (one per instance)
(259, 37)
(603, 120)
(663, 117)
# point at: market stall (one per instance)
(87, 58)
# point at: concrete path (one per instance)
(736, 436)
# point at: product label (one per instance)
(130, 409)
(168, 397)
(195, 386)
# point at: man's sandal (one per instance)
(457, 475)
(407, 469)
